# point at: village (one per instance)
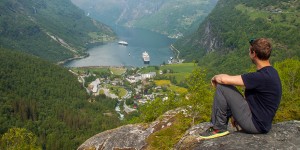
(131, 86)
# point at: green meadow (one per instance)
(93, 70)
(179, 71)
(180, 68)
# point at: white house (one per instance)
(149, 75)
(134, 79)
(94, 85)
(137, 78)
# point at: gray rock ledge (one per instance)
(283, 136)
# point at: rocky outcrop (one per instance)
(130, 136)
(285, 135)
(125, 137)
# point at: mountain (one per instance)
(170, 17)
(54, 30)
(221, 41)
(48, 100)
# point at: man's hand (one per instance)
(213, 81)
(217, 79)
(227, 79)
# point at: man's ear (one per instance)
(254, 54)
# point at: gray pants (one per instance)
(228, 101)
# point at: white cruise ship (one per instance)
(123, 43)
(146, 58)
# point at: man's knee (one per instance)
(227, 88)
(222, 86)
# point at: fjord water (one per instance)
(139, 40)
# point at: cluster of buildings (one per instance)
(137, 81)
(95, 85)
(138, 77)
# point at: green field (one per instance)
(119, 91)
(93, 70)
(180, 68)
(179, 71)
(117, 70)
(148, 69)
(170, 86)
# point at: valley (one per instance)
(173, 18)
(134, 87)
(109, 88)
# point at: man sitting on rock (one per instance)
(254, 112)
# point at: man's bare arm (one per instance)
(227, 79)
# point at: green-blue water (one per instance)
(139, 40)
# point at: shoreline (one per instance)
(85, 53)
(63, 62)
(66, 62)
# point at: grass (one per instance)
(117, 70)
(93, 70)
(101, 92)
(148, 69)
(178, 76)
(119, 91)
(167, 83)
(180, 68)
(162, 82)
(177, 89)
(166, 138)
(179, 71)
(122, 92)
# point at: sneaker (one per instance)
(211, 133)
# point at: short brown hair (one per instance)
(262, 47)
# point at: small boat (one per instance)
(129, 54)
(146, 57)
(123, 43)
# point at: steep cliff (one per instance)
(285, 135)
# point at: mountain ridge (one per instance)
(52, 30)
(173, 18)
(222, 38)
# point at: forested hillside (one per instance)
(170, 17)
(54, 30)
(49, 101)
(221, 42)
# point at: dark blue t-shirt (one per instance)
(263, 94)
